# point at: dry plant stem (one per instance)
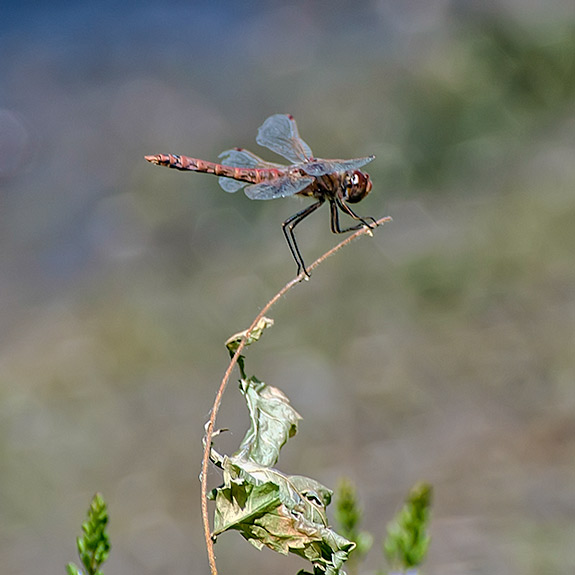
(211, 423)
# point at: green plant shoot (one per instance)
(94, 545)
(407, 540)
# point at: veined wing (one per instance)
(280, 135)
(317, 167)
(278, 188)
(240, 158)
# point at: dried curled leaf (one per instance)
(270, 509)
(284, 513)
(233, 342)
(272, 422)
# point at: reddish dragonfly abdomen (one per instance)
(251, 175)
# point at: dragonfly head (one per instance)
(356, 185)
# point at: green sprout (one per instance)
(94, 545)
(348, 514)
(407, 539)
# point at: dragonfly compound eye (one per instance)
(358, 185)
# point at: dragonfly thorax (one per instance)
(356, 185)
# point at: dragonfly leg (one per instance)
(336, 204)
(288, 229)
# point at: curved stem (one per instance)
(218, 400)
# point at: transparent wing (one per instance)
(240, 158)
(280, 135)
(229, 185)
(320, 167)
(279, 188)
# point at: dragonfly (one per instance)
(339, 182)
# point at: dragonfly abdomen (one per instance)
(250, 175)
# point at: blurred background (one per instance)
(442, 349)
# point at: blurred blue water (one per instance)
(90, 85)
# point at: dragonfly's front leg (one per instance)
(288, 229)
(336, 204)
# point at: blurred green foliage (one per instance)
(496, 84)
(348, 515)
(407, 540)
